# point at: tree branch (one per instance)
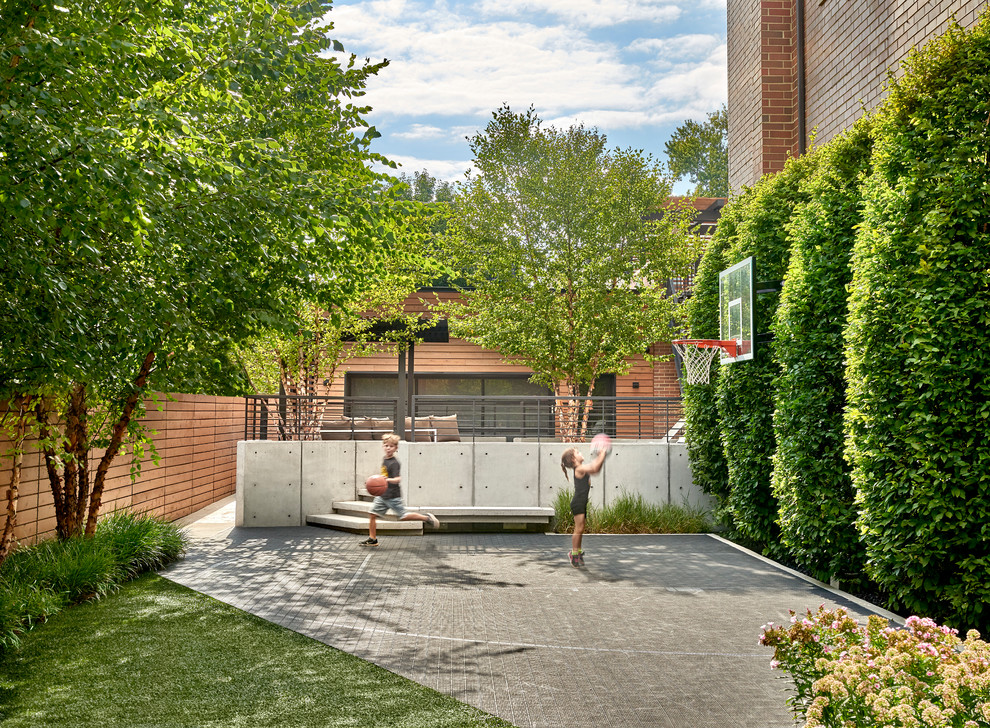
(116, 438)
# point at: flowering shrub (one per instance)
(849, 676)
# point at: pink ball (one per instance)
(601, 442)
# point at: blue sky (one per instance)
(634, 69)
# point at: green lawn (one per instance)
(158, 654)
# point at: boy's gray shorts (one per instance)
(380, 506)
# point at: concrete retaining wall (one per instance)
(280, 483)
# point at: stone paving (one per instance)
(655, 631)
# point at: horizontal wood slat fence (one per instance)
(196, 440)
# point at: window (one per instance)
(508, 418)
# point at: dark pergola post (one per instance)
(411, 385)
(400, 404)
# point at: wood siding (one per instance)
(197, 442)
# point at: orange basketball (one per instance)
(376, 484)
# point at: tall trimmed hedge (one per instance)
(811, 480)
(704, 436)
(918, 343)
(745, 389)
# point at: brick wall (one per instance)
(745, 104)
(849, 47)
(197, 442)
(778, 74)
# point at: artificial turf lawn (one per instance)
(159, 654)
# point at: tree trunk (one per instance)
(116, 438)
(42, 411)
(77, 425)
(23, 405)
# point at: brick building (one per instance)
(799, 69)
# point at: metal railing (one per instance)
(442, 417)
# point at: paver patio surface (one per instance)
(656, 630)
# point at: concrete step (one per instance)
(475, 513)
(359, 524)
(352, 515)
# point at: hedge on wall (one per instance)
(918, 342)
(745, 389)
(811, 480)
(704, 437)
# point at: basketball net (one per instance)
(697, 355)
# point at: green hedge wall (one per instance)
(704, 437)
(918, 342)
(811, 480)
(745, 389)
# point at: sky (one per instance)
(633, 69)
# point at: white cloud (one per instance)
(451, 68)
(703, 82)
(422, 131)
(696, 45)
(586, 13)
(444, 65)
(450, 170)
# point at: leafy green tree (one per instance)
(917, 343)
(811, 479)
(424, 187)
(704, 437)
(701, 152)
(303, 363)
(745, 390)
(174, 178)
(564, 256)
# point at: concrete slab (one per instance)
(439, 472)
(682, 489)
(269, 495)
(506, 474)
(657, 631)
(327, 474)
(637, 468)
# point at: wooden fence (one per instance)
(196, 439)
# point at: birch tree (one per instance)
(565, 247)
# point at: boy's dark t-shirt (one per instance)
(390, 469)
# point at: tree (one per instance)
(303, 363)
(424, 187)
(701, 152)
(176, 177)
(564, 254)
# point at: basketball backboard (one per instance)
(736, 310)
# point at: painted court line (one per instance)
(503, 643)
(357, 574)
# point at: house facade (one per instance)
(453, 367)
(807, 69)
(456, 368)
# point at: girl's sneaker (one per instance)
(575, 559)
(580, 558)
(370, 542)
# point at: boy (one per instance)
(392, 498)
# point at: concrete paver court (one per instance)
(655, 631)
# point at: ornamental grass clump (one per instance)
(848, 675)
(629, 513)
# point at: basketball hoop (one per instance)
(697, 355)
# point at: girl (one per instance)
(571, 458)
